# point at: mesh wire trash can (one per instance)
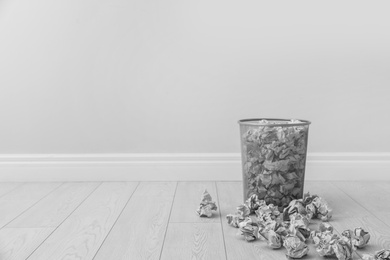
(273, 153)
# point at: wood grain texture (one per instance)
(19, 243)
(385, 217)
(6, 187)
(23, 197)
(193, 241)
(115, 223)
(81, 234)
(373, 196)
(343, 206)
(56, 207)
(140, 230)
(187, 199)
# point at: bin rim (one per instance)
(255, 122)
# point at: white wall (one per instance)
(140, 76)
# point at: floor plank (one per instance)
(20, 199)
(140, 230)
(373, 196)
(81, 234)
(56, 207)
(159, 219)
(19, 243)
(343, 206)
(6, 187)
(187, 199)
(385, 217)
(369, 197)
(193, 241)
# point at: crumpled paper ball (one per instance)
(295, 206)
(245, 222)
(267, 212)
(277, 226)
(311, 211)
(323, 241)
(234, 219)
(383, 254)
(300, 219)
(307, 198)
(325, 227)
(249, 231)
(343, 249)
(324, 212)
(243, 210)
(206, 210)
(361, 237)
(299, 229)
(274, 240)
(207, 206)
(348, 234)
(253, 203)
(296, 248)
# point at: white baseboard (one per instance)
(183, 167)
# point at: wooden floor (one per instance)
(157, 220)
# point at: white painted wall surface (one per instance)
(174, 76)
